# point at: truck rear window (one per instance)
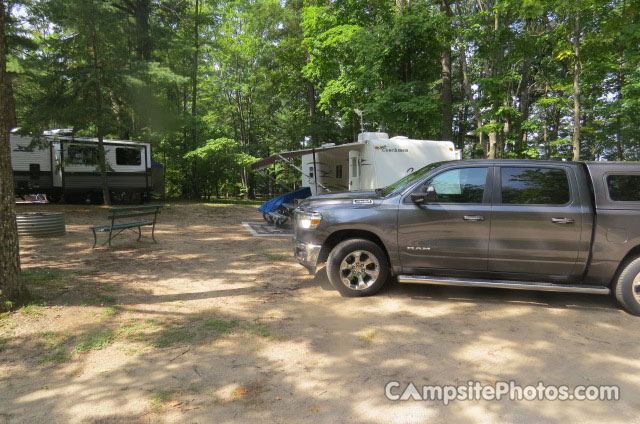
(534, 186)
(624, 188)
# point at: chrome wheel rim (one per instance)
(359, 270)
(635, 288)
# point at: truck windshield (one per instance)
(399, 185)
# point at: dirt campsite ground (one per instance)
(213, 325)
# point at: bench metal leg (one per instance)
(110, 232)
(95, 239)
(153, 230)
(139, 234)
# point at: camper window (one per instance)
(82, 155)
(338, 171)
(128, 156)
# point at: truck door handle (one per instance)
(473, 218)
(562, 220)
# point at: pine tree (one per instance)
(13, 292)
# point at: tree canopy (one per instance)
(215, 85)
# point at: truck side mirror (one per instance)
(428, 196)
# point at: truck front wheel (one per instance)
(357, 267)
(627, 287)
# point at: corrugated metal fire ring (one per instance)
(41, 224)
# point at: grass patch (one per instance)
(58, 357)
(94, 340)
(160, 399)
(3, 344)
(368, 336)
(257, 328)
(101, 300)
(51, 338)
(45, 277)
(110, 311)
(219, 326)
(107, 288)
(196, 330)
(174, 335)
(136, 330)
(5, 321)
(32, 309)
(54, 348)
(275, 256)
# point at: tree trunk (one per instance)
(143, 40)
(523, 106)
(196, 54)
(446, 97)
(493, 142)
(102, 162)
(13, 292)
(493, 135)
(311, 98)
(193, 187)
(467, 90)
(576, 89)
(619, 135)
(11, 113)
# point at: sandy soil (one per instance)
(213, 325)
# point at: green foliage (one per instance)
(216, 85)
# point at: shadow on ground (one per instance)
(214, 325)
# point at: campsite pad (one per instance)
(264, 229)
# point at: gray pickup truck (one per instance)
(531, 225)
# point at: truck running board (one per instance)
(500, 284)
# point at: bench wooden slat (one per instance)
(103, 228)
(134, 208)
(128, 215)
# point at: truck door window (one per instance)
(463, 185)
(624, 188)
(534, 186)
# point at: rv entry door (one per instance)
(354, 170)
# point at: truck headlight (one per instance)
(308, 221)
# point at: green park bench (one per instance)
(118, 214)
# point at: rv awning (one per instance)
(295, 153)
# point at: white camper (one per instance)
(374, 161)
(68, 166)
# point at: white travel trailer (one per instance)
(68, 166)
(374, 161)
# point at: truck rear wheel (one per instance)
(627, 287)
(357, 267)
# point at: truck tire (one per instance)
(357, 267)
(627, 287)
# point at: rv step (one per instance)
(501, 284)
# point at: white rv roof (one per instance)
(95, 140)
(295, 153)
